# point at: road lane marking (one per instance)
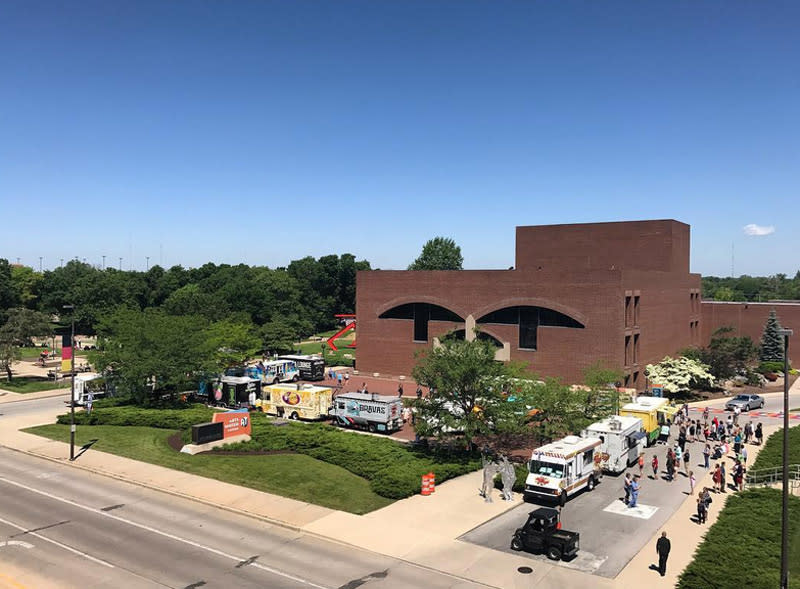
(192, 543)
(59, 544)
(641, 511)
(16, 543)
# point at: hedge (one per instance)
(743, 547)
(771, 455)
(183, 418)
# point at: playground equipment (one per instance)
(350, 325)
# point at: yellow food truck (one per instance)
(653, 411)
(296, 401)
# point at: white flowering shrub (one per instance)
(680, 375)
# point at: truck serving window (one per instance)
(550, 469)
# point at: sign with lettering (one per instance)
(235, 423)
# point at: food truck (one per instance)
(309, 366)
(653, 411)
(276, 371)
(303, 401)
(88, 383)
(621, 441)
(376, 413)
(562, 468)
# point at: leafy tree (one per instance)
(20, 327)
(728, 355)
(279, 334)
(467, 391)
(680, 375)
(191, 300)
(8, 294)
(560, 409)
(439, 253)
(602, 395)
(232, 342)
(26, 284)
(771, 340)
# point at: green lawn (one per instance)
(771, 454)
(32, 384)
(331, 358)
(33, 353)
(297, 476)
(743, 547)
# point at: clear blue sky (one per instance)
(261, 132)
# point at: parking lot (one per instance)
(611, 533)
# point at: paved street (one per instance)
(77, 529)
(611, 534)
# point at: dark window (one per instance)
(627, 349)
(421, 314)
(529, 319)
(628, 319)
(528, 327)
(550, 318)
(421, 317)
(507, 316)
(636, 348)
(636, 311)
(402, 312)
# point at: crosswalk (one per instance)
(750, 413)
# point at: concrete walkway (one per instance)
(421, 530)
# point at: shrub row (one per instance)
(771, 455)
(393, 469)
(183, 418)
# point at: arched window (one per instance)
(528, 319)
(421, 314)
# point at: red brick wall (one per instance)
(749, 319)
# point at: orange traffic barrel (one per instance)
(432, 482)
(426, 485)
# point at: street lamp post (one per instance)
(72, 386)
(785, 503)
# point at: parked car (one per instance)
(745, 402)
(542, 533)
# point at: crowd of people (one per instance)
(721, 439)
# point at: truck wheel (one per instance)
(295, 378)
(590, 484)
(554, 553)
(275, 381)
(294, 416)
(371, 428)
(516, 543)
(562, 500)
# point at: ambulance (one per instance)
(562, 468)
(296, 401)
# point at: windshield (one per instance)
(550, 469)
(742, 398)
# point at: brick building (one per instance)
(620, 293)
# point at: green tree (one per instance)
(280, 334)
(233, 342)
(771, 340)
(602, 397)
(467, 397)
(439, 253)
(680, 375)
(26, 283)
(18, 330)
(8, 294)
(728, 355)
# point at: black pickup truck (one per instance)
(542, 533)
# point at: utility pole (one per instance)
(120, 263)
(785, 503)
(104, 262)
(147, 267)
(40, 264)
(62, 262)
(72, 386)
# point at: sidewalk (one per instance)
(419, 530)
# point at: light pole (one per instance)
(104, 262)
(72, 386)
(120, 264)
(785, 503)
(148, 263)
(40, 264)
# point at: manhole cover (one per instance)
(525, 570)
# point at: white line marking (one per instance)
(16, 543)
(59, 544)
(159, 532)
(641, 511)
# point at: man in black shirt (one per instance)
(662, 549)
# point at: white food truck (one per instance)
(379, 413)
(621, 441)
(86, 383)
(564, 467)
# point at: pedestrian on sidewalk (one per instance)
(706, 454)
(634, 491)
(736, 412)
(663, 547)
(692, 430)
(744, 455)
(400, 389)
(759, 433)
(641, 464)
(705, 414)
(705, 495)
(748, 432)
(654, 464)
(626, 485)
(716, 477)
(722, 479)
(686, 458)
(678, 453)
(702, 511)
(692, 482)
(737, 442)
(729, 424)
(670, 466)
(339, 379)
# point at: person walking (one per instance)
(339, 379)
(678, 454)
(654, 464)
(744, 455)
(716, 477)
(692, 431)
(737, 441)
(686, 458)
(663, 547)
(748, 432)
(400, 389)
(736, 412)
(641, 464)
(692, 482)
(702, 510)
(759, 433)
(626, 485)
(722, 479)
(705, 414)
(670, 466)
(706, 454)
(634, 491)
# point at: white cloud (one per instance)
(758, 230)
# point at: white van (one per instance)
(621, 441)
(564, 467)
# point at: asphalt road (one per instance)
(70, 528)
(610, 534)
(32, 406)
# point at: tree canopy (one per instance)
(439, 253)
(771, 340)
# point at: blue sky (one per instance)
(261, 132)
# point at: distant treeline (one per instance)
(306, 294)
(752, 288)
